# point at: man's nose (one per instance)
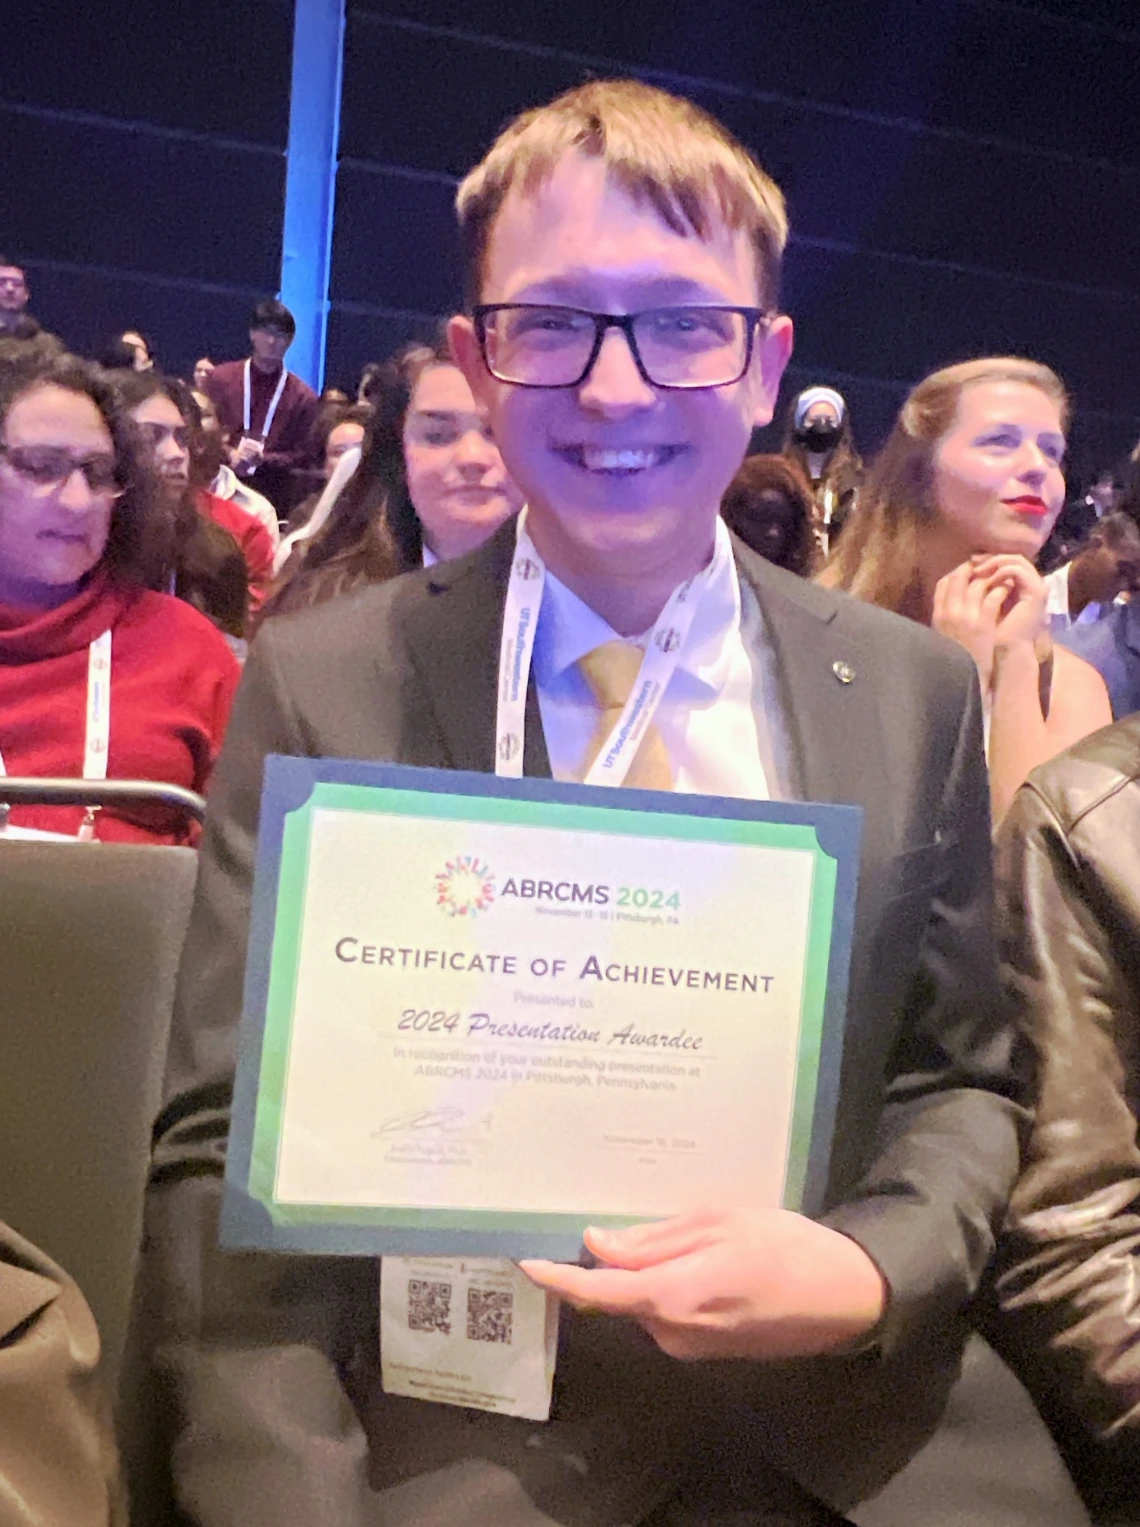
(615, 386)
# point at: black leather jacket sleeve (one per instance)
(1065, 1294)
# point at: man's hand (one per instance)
(245, 456)
(753, 1283)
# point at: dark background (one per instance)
(963, 175)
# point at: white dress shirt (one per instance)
(1057, 616)
(719, 717)
(229, 486)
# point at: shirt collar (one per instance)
(568, 628)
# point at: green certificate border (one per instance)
(296, 788)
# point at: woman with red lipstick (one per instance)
(956, 508)
(100, 677)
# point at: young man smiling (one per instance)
(624, 338)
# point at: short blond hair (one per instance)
(659, 148)
(877, 558)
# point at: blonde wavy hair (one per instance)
(878, 556)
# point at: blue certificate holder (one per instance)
(481, 1014)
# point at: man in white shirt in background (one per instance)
(1080, 592)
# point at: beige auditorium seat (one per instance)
(89, 949)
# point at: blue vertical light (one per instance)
(310, 179)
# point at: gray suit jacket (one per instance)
(270, 1360)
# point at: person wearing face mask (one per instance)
(820, 444)
(769, 506)
(100, 676)
(430, 485)
(954, 511)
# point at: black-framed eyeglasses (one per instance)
(534, 345)
(48, 468)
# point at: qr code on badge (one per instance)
(429, 1306)
(490, 1313)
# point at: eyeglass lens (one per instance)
(678, 346)
(51, 468)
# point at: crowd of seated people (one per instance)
(932, 636)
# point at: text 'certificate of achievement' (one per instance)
(482, 1014)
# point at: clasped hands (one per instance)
(728, 1283)
(990, 602)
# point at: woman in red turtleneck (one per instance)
(83, 537)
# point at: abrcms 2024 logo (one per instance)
(464, 887)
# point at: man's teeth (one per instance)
(598, 460)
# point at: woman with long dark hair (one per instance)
(223, 556)
(953, 514)
(430, 486)
(768, 505)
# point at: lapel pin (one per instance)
(843, 671)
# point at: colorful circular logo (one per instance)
(464, 887)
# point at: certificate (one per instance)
(481, 1014)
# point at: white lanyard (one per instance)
(270, 411)
(97, 737)
(520, 622)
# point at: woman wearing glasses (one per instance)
(956, 509)
(100, 676)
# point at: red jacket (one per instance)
(173, 679)
(251, 536)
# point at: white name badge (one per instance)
(467, 1331)
(34, 835)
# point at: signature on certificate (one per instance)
(449, 1120)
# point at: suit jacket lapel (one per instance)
(829, 706)
(453, 636)
(828, 696)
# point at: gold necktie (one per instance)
(610, 671)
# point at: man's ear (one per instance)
(464, 345)
(773, 352)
